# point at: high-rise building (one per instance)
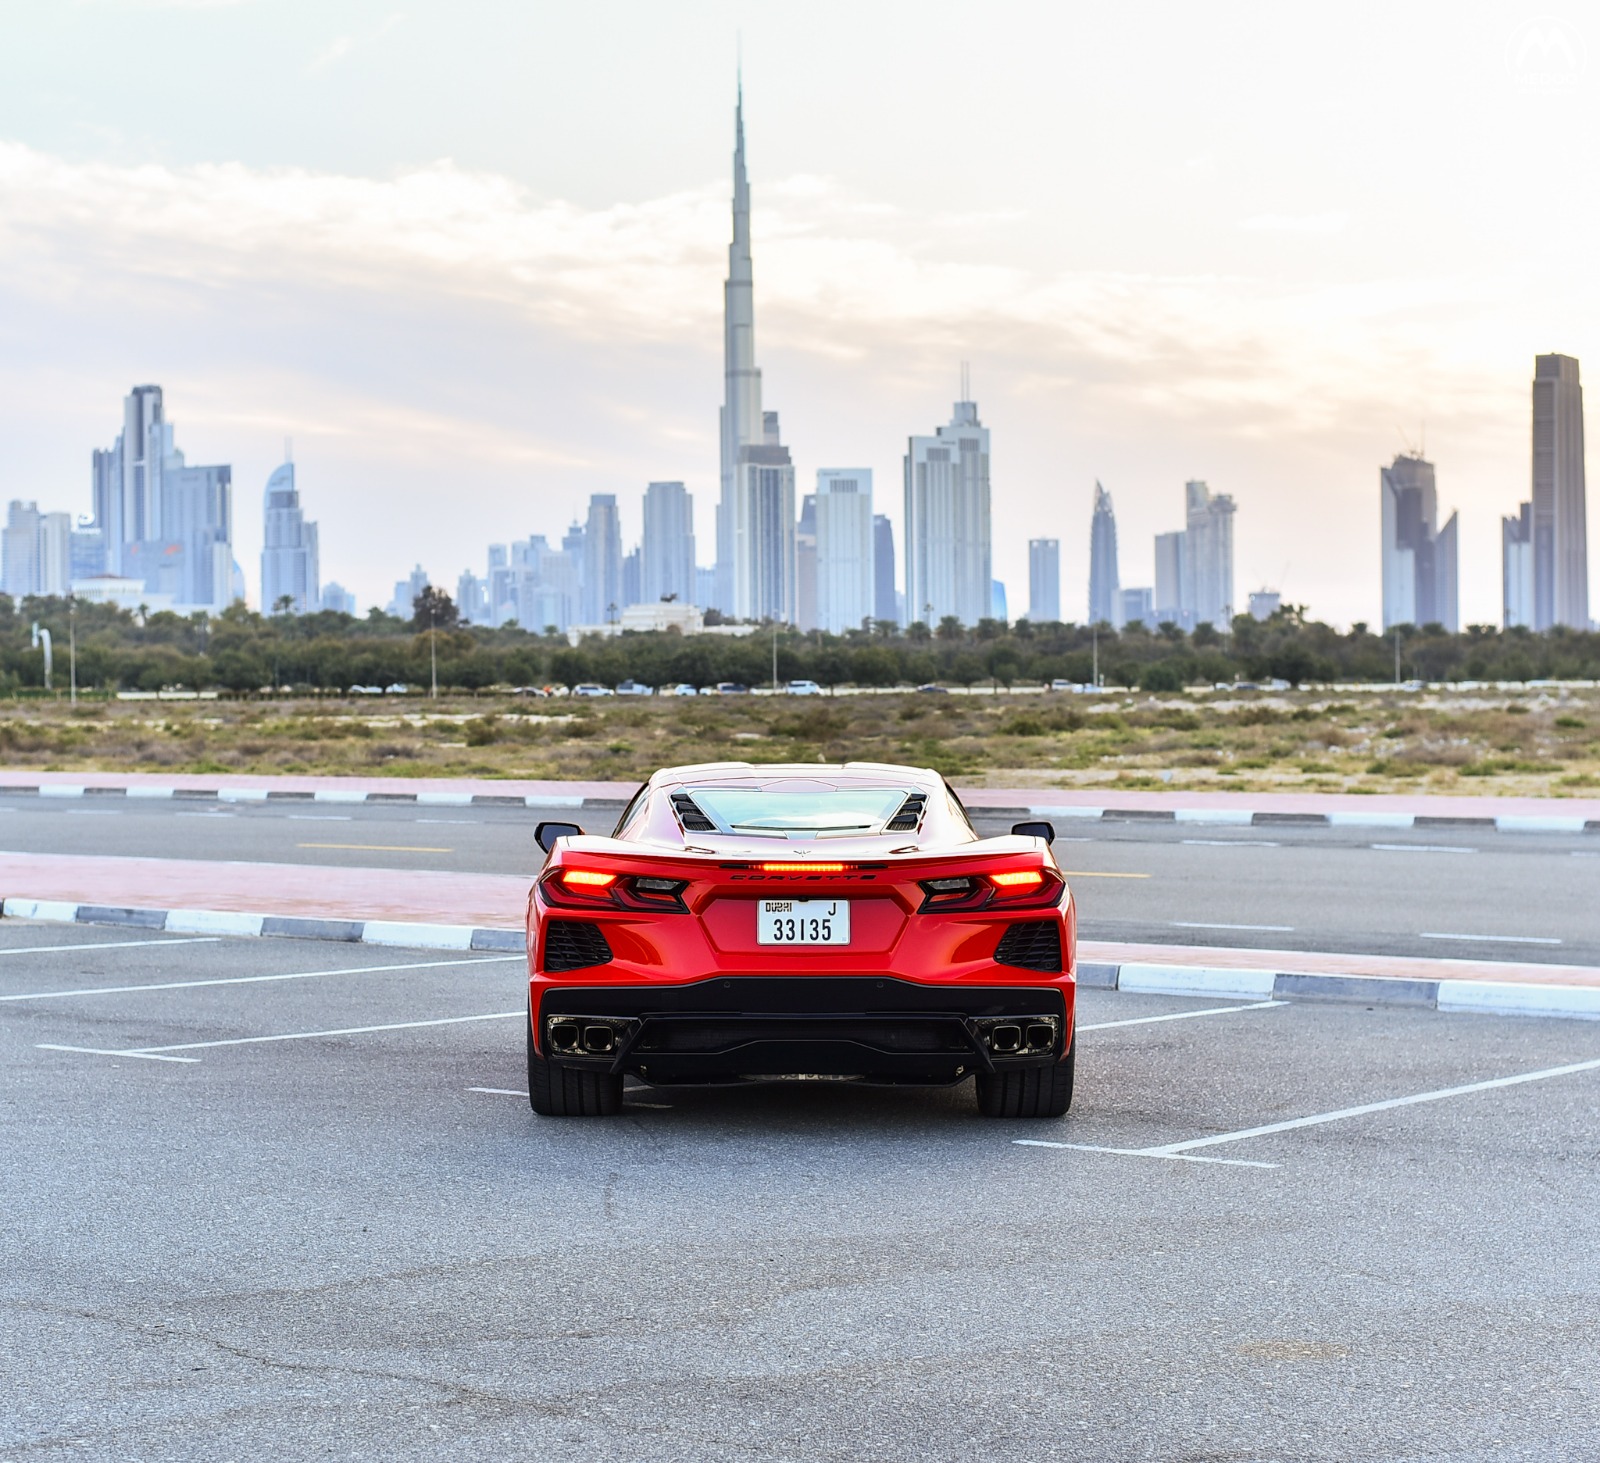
(947, 521)
(1105, 585)
(55, 554)
(1044, 580)
(1208, 556)
(1419, 558)
(763, 529)
(19, 550)
(742, 420)
(884, 597)
(337, 598)
(632, 579)
(846, 565)
(601, 592)
(1264, 603)
(1171, 592)
(1516, 568)
(805, 565)
(1560, 515)
(1138, 608)
(163, 521)
(289, 567)
(472, 598)
(403, 605)
(667, 548)
(997, 602)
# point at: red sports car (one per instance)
(745, 923)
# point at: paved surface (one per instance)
(1471, 894)
(341, 1245)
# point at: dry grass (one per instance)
(1542, 743)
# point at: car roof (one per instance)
(752, 774)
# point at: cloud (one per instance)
(336, 50)
(1333, 222)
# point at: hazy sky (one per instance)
(469, 255)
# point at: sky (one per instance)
(469, 256)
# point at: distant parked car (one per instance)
(635, 688)
(530, 690)
(589, 689)
(366, 690)
(399, 688)
(803, 688)
(1060, 685)
(932, 690)
(731, 688)
(683, 688)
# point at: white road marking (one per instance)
(667, 1107)
(187, 814)
(1419, 848)
(1138, 1153)
(1231, 843)
(108, 945)
(183, 985)
(95, 1051)
(189, 1046)
(321, 817)
(498, 1091)
(1494, 939)
(1182, 1015)
(1585, 853)
(93, 812)
(1167, 1150)
(1194, 924)
(454, 822)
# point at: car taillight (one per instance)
(580, 886)
(1013, 888)
(657, 893)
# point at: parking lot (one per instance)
(272, 1198)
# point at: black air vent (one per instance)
(909, 816)
(690, 816)
(1034, 944)
(571, 944)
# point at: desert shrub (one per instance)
(1023, 726)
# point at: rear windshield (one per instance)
(825, 810)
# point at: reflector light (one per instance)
(588, 878)
(802, 868)
(1018, 879)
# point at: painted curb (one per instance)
(320, 795)
(1242, 817)
(1483, 997)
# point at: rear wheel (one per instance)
(555, 1091)
(1029, 1092)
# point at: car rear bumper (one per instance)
(869, 1028)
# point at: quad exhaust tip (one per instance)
(1020, 1037)
(583, 1036)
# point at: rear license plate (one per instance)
(803, 922)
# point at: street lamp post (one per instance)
(433, 651)
(72, 643)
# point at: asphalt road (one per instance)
(1468, 893)
(258, 1240)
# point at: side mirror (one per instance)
(545, 834)
(1039, 829)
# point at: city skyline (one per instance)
(1316, 343)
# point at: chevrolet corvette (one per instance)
(745, 923)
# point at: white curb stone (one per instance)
(62, 790)
(1213, 815)
(140, 790)
(418, 936)
(444, 799)
(49, 909)
(1371, 820)
(1510, 998)
(1191, 980)
(212, 922)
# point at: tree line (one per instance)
(244, 652)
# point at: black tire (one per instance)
(1030, 1092)
(555, 1091)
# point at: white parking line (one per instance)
(321, 817)
(93, 812)
(1183, 1015)
(1184, 1149)
(1495, 939)
(190, 1046)
(207, 815)
(95, 1051)
(1420, 848)
(1231, 843)
(1194, 924)
(183, 985)
(109, 945)
(1439, 1095)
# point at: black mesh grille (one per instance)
(1034, 944)
(690, 816)
(571, 944)
(910, 814)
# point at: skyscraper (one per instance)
(1171, 593)
(1419, 558)
(742, 421)
(846, 595)
(763, 529)
(1044, 580)
(1105, 603)
(1516, 568)
(1560, 522)
(883, 577)
(947, 521)
(1138, 608)
(162, 521)
(805, 565)
(601, 593)
(667, 548)
(1208, 556)
(289, 567)
(19, 550)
